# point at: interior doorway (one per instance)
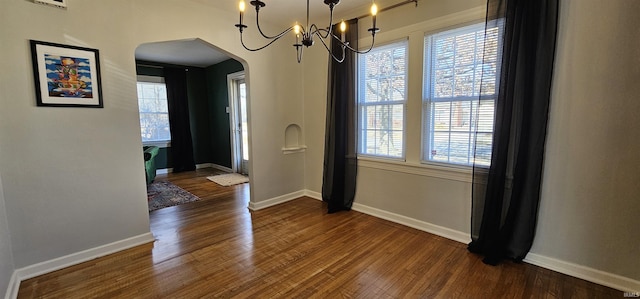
(215, 109)
(238, 117)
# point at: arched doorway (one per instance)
(211, 111)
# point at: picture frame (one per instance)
(58, 3)
(66, 76)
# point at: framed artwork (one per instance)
(58, 3)
(66, 76)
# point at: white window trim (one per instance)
(419, 30)
(159, 143)
(466, 27)
(153, 79)
(449, 172)
(405, 41)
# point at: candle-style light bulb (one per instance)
(374, 12)
(242, 7)
(296, 30)
(343, 26)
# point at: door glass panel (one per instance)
(243, 118)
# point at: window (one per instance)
(460, 86)
(154, 112)
(382, 94)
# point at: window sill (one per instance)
(455, 173)
(294, 150)
(160, 144)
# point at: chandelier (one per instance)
(305, 35)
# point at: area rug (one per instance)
(229, 179)
(162, 194)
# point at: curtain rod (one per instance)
(391, 7)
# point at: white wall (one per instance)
(73, 178)
(70, 175)
(427, 196)
(6, 255)
(590, 191)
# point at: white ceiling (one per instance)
(193, 52)
(198, 53)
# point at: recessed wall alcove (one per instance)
(293, 140)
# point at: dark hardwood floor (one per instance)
(216, 247)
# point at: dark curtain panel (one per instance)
(507, 194)
(181, 143)
(340, 162)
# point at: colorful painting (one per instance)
(66, 76)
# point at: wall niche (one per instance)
(293, 140)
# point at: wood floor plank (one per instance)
(217, 248)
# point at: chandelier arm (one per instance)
(258, 49)
(319, 32)
(299, 51)
(267, 36)
(324, 34)
(313, 28)
(339, 60)
(327, 32)
(346, 45)
(323, 30)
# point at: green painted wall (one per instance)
(163, 159)
(218, 102)
(208, 99)
(148, 70)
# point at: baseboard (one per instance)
(596, 276)
(414, 223)
(313, 194)
(204, 165)
(220, 167)
(255, 206)
(13, 287)
(611, 280)
(406, 221)
(589, 274)
(198, 166)
(164, 171)
(73, 259)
